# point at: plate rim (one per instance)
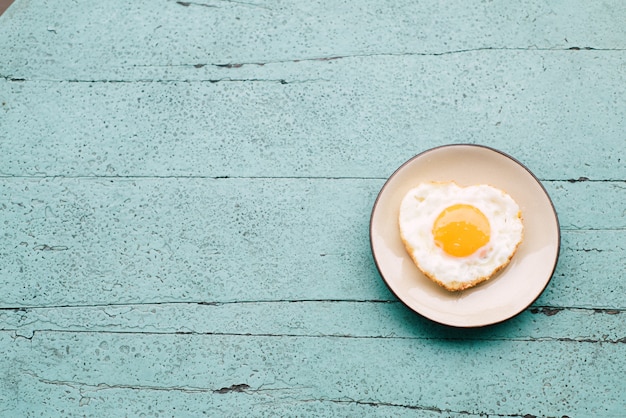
(504, 154)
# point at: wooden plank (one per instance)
(345, 319)
(352, 117)
(146, 240)
(107, 370)
(75, 39)
(68, 399)
(184, 239)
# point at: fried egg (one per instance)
(460, 236)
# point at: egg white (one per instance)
(420, 208)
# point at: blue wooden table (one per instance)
(186, 188)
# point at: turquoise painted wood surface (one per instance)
(185, 190)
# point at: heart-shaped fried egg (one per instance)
(460, 236)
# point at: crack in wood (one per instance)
(232, 177)
(578, 180)
(242, 387)
(398, 54)
(82, 386)
(236, 65)
(534, 309)
(46, 247)
(10, 78)
(319, 335)
(425, 408)
(234, 2)
(546, 310)
(192, 302)
(188, 3)
(146, 80)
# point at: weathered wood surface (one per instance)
(330, 119)
(85, 241)
(185, 195)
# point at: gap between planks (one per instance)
(548, 310)
(227, 177)
(17, 335)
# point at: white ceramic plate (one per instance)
(501, 297)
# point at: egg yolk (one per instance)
(461, 229)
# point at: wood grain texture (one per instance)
(98, 241)
(185, 191)
(323, 118)
(84, 39)
(510, 376)
(340, 319)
